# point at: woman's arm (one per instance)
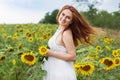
(69, 45)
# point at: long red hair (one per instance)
(80, 28)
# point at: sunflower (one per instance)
(43, 50)
(10, 50)
(86, 69)
(30, 39)
(15, 36)
(28, 58)
(117, 61)
(107, 40)
(14, 61)
(108, 62)
(45, 36)
(115, 53)
(2, 58)
(28, 34)
(77, 66)
(20, 30)
(49, 34)
(98, 47)
(20, 46)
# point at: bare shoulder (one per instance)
(67, 33)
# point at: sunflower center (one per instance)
(29, 57)
(20, 47)
(108, 62)
(115, 53)
(10, 50)
(43, 49)
(86, 68)
(117, 61)
(77, 67)
(28, 34)
(98, 48)
(2, 58)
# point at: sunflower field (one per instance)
(22, 49)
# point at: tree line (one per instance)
(97, 18)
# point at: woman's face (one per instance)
(65, 18)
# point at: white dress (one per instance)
(58, 69)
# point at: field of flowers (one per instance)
(22, 46)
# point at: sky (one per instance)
(32, 11)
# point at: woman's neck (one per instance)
(61, 27)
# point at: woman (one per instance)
(72, 29)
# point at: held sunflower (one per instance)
(43, 50)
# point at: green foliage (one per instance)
(102, 18)
(50, 18)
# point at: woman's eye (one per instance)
(63, 14)
(68, 17)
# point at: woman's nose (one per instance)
(63, 18)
